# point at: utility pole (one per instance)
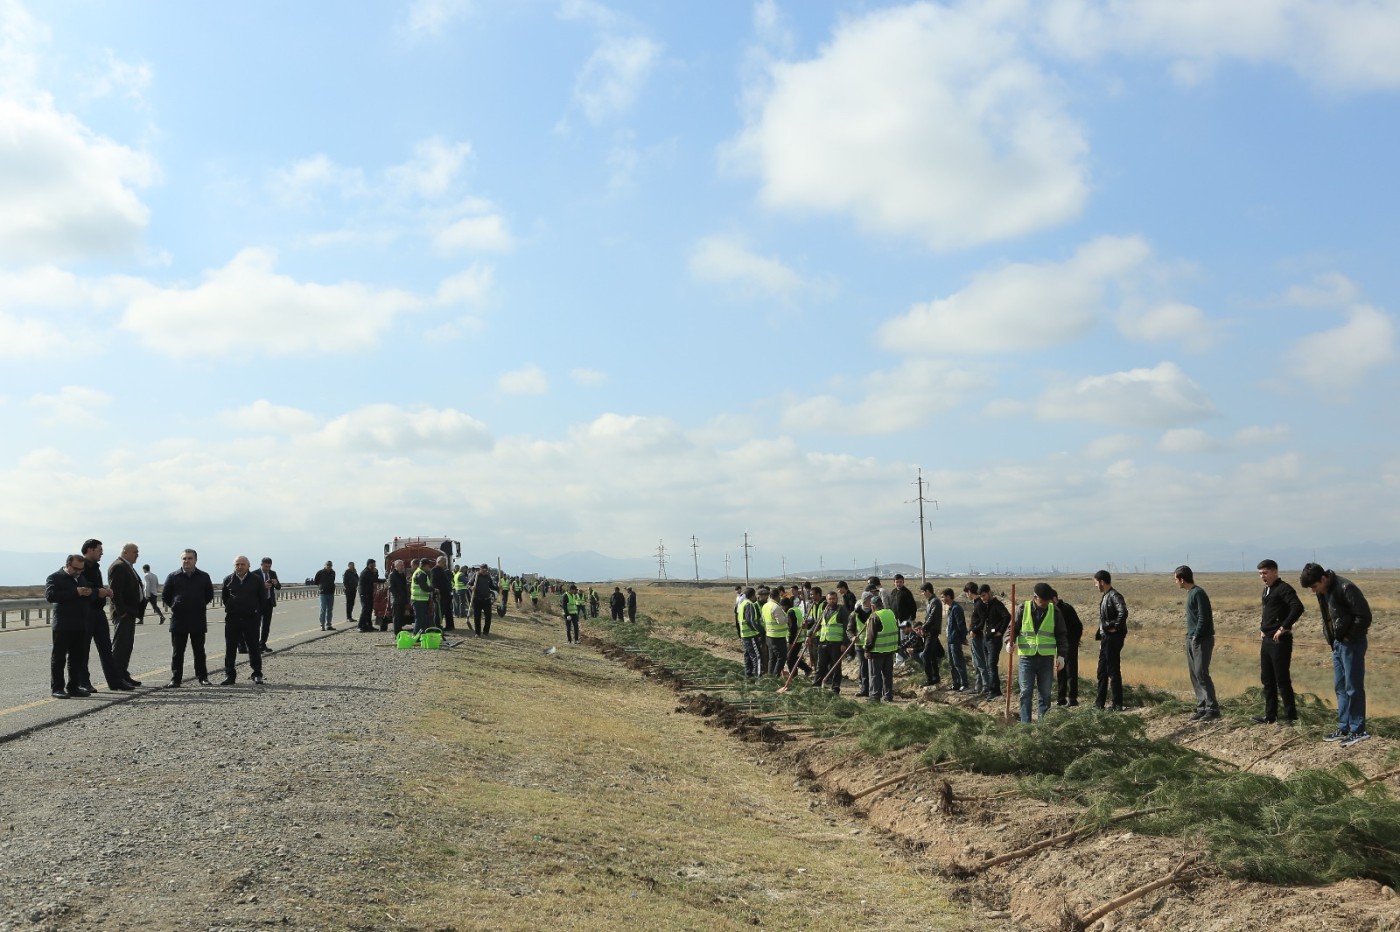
(784, 560)
(726, 564)
(661, 559)
(923, 563)
(695, 552)
(747, 548)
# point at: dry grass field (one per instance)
(1154, 654)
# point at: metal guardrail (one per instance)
(30, 611)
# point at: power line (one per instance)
(747, 548)
(661, 559)
(695, 552)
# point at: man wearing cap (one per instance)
(1039, 641)
(325, 582)
(573, 605)
(748, 623)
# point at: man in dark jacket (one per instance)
(325, 583)
(98, 633)
(245, 597)
(483, 600)
(631, 604)
(442, 589)
(369, 579)
(70, 596)
(1038, 639)
(398, 596)
(1281, 610)
(271, 583)
(128, 606)
(996, 619)
(618, 603)
(929, 631)
(1068, 676)
(1112, 632)
(351, 582)
(1346, 620)
(188, 592)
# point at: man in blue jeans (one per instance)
(1346, 619)
(1039, 640)
(325, 580)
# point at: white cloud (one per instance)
(1020, 306)
(921, 120)
(484, 233)
(896, 399)
(725, 260)
(433, 168)
(30, 337)
(121, 79)
(1342, 44)
(1328, 290)
(301, 182)
(1004, 407)
(1340, 359)
(385, 428)
(530, 380)
(265, 417)
(1187, 440)
(72, 405)
(467, 287)
(22, 37)
(246, 302)
(1162, 396)
(1172, 320)
(430, 18)
(1110, 446)
(68, 193)
(588, 11)
(1256, 435)
(588, 376)
(614, 75)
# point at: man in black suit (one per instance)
(369, 579)
(128, 606)
(351, 581)
(188, 592)
(483, 600)
(70, 596)
(271, 583)
(245, 606)
(97, 620)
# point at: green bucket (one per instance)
(431, 639)
(406, 639)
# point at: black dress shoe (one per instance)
(82, 691)
(205, 682)
(227, 681)
(258, 678)
(120, 688)
(1261, 720)
(173, 683)
(60, 694)
(264, 649)
(132, 683)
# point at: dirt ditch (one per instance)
(964, 826)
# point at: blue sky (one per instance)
(565, 276)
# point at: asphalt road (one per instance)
(25, 703)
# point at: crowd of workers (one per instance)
(803, 630)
